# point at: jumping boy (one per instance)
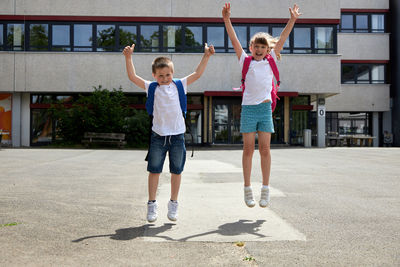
(168, 125)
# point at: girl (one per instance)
(256, 113)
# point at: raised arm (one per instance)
(294, 14)
(208, 51)
(226, 15)
(130, 69)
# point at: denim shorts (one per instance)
(159, 146)
(256, 118)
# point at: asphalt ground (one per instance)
(329, 207)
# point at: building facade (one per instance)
(334, 69)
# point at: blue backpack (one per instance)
(150, 105)
(181, 92)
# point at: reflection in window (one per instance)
(324, 39)
(41, 126)
(256, 29)
(1, 37)
(39, 36)
(276, 32)
(61, 38)
(221, 123)
(42, 99)
(348, 73)
(172, 40)
(347, 23)
(378, 74)
(241, 33)
(127, 36)
(362, 23)
(363, 74)
(302, 40)
(378, 23)
(105, 37)
(215, 36)
(149, 38)
(193, 39)
(15, 36)
(83, 37)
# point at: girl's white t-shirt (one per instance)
(167, 112)
(258, 80)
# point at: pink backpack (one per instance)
(274, 92)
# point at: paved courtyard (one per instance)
(329, 207)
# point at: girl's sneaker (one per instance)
(172, 210)
(152, 211)
(248, 197)
(264, 200)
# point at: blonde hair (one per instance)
(162, 62)
(265, 39)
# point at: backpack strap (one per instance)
(245, 69)
(182, 96)
(150, 98)
(274, 68)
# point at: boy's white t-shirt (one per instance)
(167, 112)
(258, 80)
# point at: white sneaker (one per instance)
(152, 211)
(172, 210)
(248, 197)
(264, 200)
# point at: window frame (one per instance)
(355, 79)
(369, 22)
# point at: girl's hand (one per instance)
(208, 51)
(294, 13)
(226, 11)
(128, 50)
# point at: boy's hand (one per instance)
(128, 50)
(226, 11)
(208, 51)
(294, 13)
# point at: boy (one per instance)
(168, 125)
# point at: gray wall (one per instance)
(364, 46)
(175, 8)
(79, 72)
(365, 4)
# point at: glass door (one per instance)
(226, 120)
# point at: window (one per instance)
(302, 40)
(172, 38)
(362, 22)
(363, 73)
(276, 32)
(324, 40)
(378, 23)
(38, 36)
(127, 36)
(1, 37)
(149, 36)
(105, 38)
(241, 33)
(83, 37)
(193, 39)
(215, 36)
(61, 38)
(348, 123)
(15, 36)
(164, 37)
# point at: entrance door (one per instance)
(226, 120)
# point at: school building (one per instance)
(339, 67)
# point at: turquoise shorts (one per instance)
(256, 118)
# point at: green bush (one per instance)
(103, 111)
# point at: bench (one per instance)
(104, 138)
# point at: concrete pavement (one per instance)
(329, 207)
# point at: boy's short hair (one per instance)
(162, 62)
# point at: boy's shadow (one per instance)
(227, 229)
(135, 232)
